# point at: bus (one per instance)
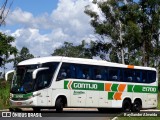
(58, 82)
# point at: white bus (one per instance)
(59, 82)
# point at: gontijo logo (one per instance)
(83, 85)
(76, 85)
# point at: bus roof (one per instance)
(80, 61)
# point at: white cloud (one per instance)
(67, 22)
(19, 16)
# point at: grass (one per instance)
(138, 118)
(4, 95)
(158, 101)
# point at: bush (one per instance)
(4, 94)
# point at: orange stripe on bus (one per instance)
(69, 85)
(131, 66)
(117, 96)
(108, 86)
(121, 87)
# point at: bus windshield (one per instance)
(24, 83)
(22, 80)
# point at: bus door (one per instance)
(42, 99)
(42, 82)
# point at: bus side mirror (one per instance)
(34, 74)
(7, 73)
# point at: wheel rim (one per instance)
(137, 106)
(127, 107)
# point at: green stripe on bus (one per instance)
(114, 87)
(22, 95)
(65, 84)
(110, 95)
(79, 85)
(142, 89)
(130, 87)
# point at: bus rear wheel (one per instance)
(126, 106)
(136, 107)
(59, 105)
(101, 110)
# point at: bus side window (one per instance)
(144, 76)
(67, 70)
(79, 73)
(106, 74)
(151, 76)
(86, 74)
(138, 76)
(120, 74)
(129, 75)
(113, 74)
(97, 73)
(72, 71)
(62, 74)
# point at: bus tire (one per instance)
(126, 106)
(59, 105)
(136, 107)
(101, 110)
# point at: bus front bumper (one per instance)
(24, 103)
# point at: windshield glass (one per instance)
(23, 82)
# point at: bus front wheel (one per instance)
(59, 105)
(126, 106)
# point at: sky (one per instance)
(44, 25)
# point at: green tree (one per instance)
(109, 26)
(142, 19)
(132, 27)
(69, 50)
(24, 54)
(6, 49)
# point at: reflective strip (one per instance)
(131, 66)
(69, 85)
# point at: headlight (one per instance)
(11, 95)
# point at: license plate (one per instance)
(19, 103)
